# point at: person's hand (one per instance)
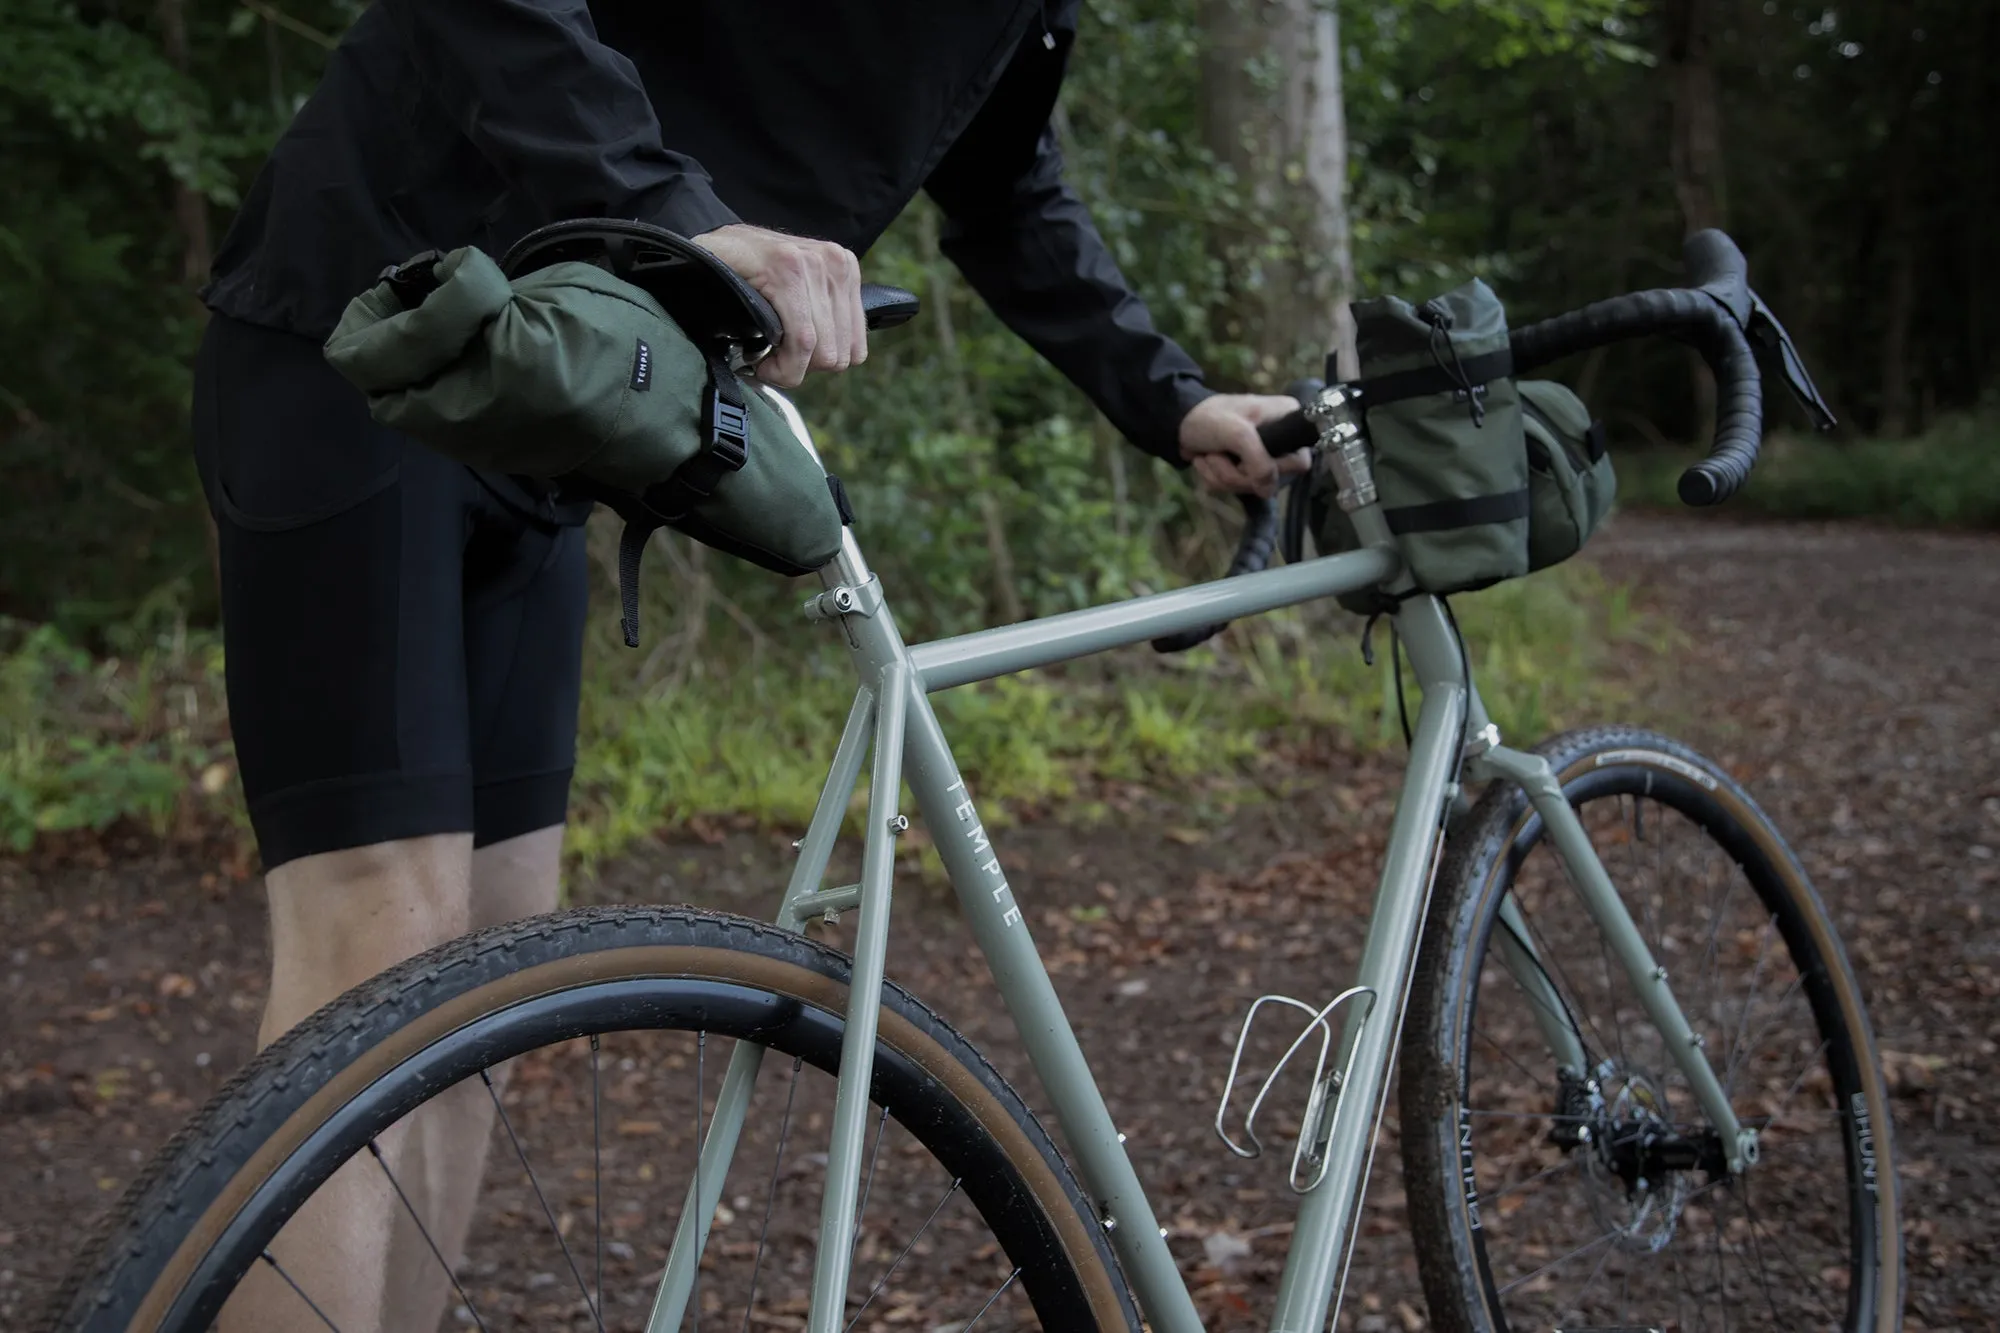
(1219, 437)
(815, 286)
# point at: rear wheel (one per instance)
(1546, 1198)
(614, 1027)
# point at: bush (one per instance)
(1948, 477)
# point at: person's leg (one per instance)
(523, 645)
(340, 547)
(337, 919)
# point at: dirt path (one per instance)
(1852, 677)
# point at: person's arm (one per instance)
(566, 120)
(1026, 243)
(561, 116)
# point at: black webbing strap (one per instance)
(1444, 515)
(727, 414)
(1402, 384)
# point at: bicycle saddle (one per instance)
(704, 295)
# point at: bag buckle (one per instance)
(728, 432)
(413, 279)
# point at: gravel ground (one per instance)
(1851, 678)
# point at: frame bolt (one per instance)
(1121, 1138)
(1163, 1233)
(1110, 1223)
(1583, 1133)
(831, 916)
(899, 823)
(1659, 974)
(843, 599)
(1696, 1040)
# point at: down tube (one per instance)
(1037, 1012)
(1317, 1263)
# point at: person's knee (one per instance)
(517, 877)
(339, 918)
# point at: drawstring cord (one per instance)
(1437, 314)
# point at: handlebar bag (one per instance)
(572, 373)
(1570, 481)
(1445, 426)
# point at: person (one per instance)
(403, 633)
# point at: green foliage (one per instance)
(85, 743)
(747, 731)
(1948, 477)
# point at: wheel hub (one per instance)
(1636, 1159)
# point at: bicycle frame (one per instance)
(892, 716)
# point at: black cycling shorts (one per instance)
(403, 633)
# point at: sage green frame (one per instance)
(892, 716)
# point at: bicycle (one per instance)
(1558, 1081)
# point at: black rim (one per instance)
(1817, 983)
(950, 1133)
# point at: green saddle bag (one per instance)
(569, 371)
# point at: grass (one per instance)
(756, 744)
(733, 732)
(1948, 477)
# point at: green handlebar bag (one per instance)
(1570, 480)
(1444, 426)
(572, 373)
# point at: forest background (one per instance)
(1253, 163)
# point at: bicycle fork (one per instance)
(1607, 909)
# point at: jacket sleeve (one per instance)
(1026, 243)
(563, 117)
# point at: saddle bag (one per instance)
(602, 355)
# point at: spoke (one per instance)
(701, 1215)
(597, 1164)
(547, 1212)
(1740, 1060)
(1711, 953)
(1576, 1253)
(280, 1268)
(397, 1185)
(1757, 1249)
(1680, 1307)
(861, 1210)
(1811, 1061)
(1575, 997)
(1536, 1001)
(771, 1201)
(1569, 1163)
(1509, 1058)
(1595, 1274)
(1721, 1280)
(1756, 984)
(891, 1269)
(1757, 1227)
(1610, 989)
(989, 1301)
(1680, 1126)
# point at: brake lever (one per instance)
(1777, 353)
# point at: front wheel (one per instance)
(1549, 1197)
(581, 1053)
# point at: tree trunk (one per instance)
(1697, 119)
(1285, 139)
(1695, 151)
(190, 209)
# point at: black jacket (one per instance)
(454, 122)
